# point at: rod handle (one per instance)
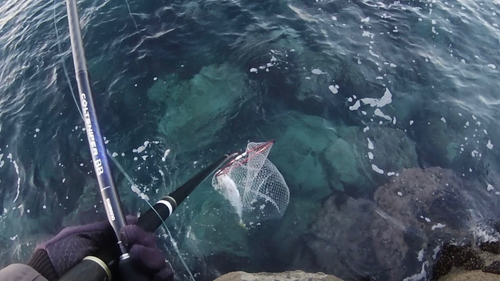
(90, 268)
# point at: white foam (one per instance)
(489, 187)
(334, 18)
(137, 191)
(420, 256)
(436, 251)
(367, 19)
(437, 226)
(492, 66)
(379, 113)
(114, 154)
(254, 70)
(373, 54)
(390, 174)
(400, 194)
(489, 145)
(383, 101)
(141, 148)
(365, 129)
(355, 106)
(377, 169)
(442, 119)
(370, 155)
(317, 71)
(165, 155)
(367, 34)
(419, 276)
(333, 89)
(370, 144)
(392, 65)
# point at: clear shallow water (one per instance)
(403, 84)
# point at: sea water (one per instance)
(354, 93)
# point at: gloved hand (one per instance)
(55, 257)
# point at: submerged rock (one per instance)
(282, 276)
(317, 157)
(197, 109)
(399, 233)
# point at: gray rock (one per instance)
(300, 139)
(283, 276)
(410, 217)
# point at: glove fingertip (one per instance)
(150, 258)
(165, 274)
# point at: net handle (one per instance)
(250, 153)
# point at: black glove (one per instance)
(55, 257)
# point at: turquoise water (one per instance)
(357, 94)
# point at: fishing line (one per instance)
(120, 167)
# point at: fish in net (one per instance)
(253, 185)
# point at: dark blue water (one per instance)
(353, 92)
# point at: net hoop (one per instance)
(243, 158)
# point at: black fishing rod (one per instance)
(100, 267)
(109, 195)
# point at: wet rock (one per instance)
(342, 242)
(197, 109)
(391, 237)
(490, 246)
(298, 216)
(429, 198)
(458, 256)
(493, 268)
(463, 275)
(282, 276)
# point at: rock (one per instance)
(298, 216)
(493, 268)
(283, 276)
(458, 256)
(338, 158)
(352, 241)
(197, 109)
(492, 247)
(394, 235)
(476, 275)
(358, 157)
(431, 199)
(300, 139)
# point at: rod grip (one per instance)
(88, 269)
(155, 216)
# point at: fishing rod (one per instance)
(101, 266)
(107, 187)
(98, 267)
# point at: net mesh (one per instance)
(261, 190)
